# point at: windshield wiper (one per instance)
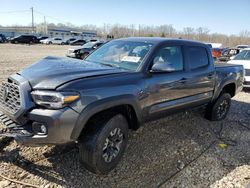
(110, 65)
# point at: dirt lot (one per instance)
(183, 150)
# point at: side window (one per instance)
(169, 57)
(198, 57)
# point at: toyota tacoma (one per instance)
(118, 87)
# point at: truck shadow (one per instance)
(155, 152)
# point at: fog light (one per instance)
(43, 129)
(39, 128)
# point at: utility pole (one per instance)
(45, 26)
(32, 14)
(139, 30)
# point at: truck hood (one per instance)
(245, 63)
(51, 72)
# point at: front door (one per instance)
(165, 88)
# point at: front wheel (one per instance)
(103, 145)
(219, 109)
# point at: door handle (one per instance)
(183, 80)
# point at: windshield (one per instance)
(122, 54)
(243, 55)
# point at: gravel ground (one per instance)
(183, 150)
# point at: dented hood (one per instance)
(51, 72)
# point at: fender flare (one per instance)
(102, 105)
(219, 90)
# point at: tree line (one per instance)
(201, 33)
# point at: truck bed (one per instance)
(224, 65)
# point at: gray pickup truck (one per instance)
(118, 87)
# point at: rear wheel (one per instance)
(219, 109)
(104, 143)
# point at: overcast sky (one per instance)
(222, 16)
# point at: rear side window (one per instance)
(198, 57)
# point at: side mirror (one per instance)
(162, 67)
(232, 57)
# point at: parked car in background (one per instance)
(243, 58)
(242, 46)
(55, 40)
(227, 54)
(25, 39)
(120, 86)
(84, 50)
(68, 41)
(3, 38)
(78, 42)
(216, 52)
(42, 38)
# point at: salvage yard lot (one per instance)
(183, 150)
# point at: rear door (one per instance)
(201, 79)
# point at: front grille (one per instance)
(247, 72)
(10, 97)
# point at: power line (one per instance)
(15, 11)
(38, 12)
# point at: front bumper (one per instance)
(59, 125)
(73, 55)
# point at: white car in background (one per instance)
(243, 58)
(55, 40)
(242, 46)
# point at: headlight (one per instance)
(54, 100)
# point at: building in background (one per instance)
(15, 31)
(64, 33)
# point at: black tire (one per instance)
(99, 150)
(220, 108)
(84, 55)
(50, 42)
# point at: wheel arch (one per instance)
(229, 87)
(119, 104)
